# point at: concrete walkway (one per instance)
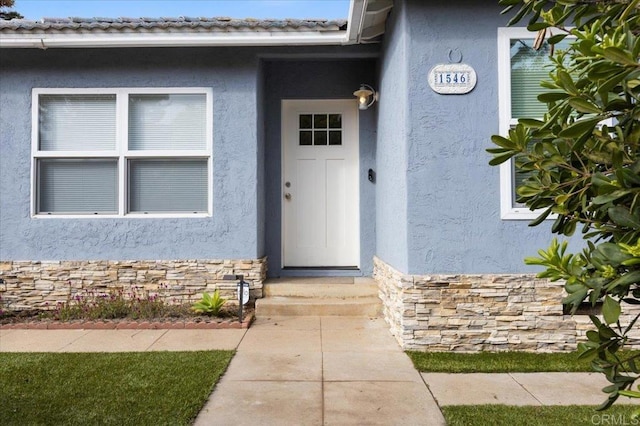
(322, 371)
(520, 389)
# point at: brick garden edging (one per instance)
(130, 325)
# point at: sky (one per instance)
(36, 9)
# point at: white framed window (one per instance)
(521, 68)
(142, 152)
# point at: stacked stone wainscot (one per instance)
(44, 284)
(470, 313)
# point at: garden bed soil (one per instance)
(35, 320)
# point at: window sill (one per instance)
(521, 213)
(127, 216)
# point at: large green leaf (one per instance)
(556, 38)
(531, 123)
(583, 105)
(521, 13)
(610, 310)
(630, 177)
(552, 96)
(538, 26)
(618, 55)
(566, 82)
(575, 299)
(499, 159)
(580, 128)
(611, 82)
(503, 142)
(607, 198)
(621, 216)
(632, 277)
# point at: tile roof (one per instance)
(170, 25)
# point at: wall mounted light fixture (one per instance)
(366, 96)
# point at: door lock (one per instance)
(287, 196)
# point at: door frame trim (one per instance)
(292, 102)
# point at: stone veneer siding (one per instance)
(470, 313)
(43, 284)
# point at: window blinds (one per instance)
(80, 186)
(74, 174)
(167, 122)
(528, 68)
(171, 185)
(77, 122)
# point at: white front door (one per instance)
(320, 201)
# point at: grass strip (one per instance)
(498, 362)
(151, 388)
(575, 415)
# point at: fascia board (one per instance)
(357, 10)
(45, 41)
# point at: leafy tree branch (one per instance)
(7, 14)
(582, 163)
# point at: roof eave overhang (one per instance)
(45, 41)
(357, 11)
(358, 26)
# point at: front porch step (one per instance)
(319, 296)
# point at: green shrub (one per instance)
(209, 304)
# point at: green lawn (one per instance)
(497, 362)
(151, 388)
(574, 415)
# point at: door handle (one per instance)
(287, 196)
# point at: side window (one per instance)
(521, 68)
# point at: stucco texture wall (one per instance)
(452, 194)
(392, 190)
(248, 85)
(231, 232)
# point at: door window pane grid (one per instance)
(320, 129)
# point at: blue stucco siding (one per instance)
(435, 206)
(453, 222)
(231, 232)
(248, 85)
(392, 192)
(313, 79)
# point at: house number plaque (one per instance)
(452, 79)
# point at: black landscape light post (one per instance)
(240, 289)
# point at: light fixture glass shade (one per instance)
(366, 96)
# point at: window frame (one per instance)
(121, 153)
(508, 208)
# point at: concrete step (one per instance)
(319, 296)
(298, 306)
(333, 287)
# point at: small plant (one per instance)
(210, 304)
(136, 304)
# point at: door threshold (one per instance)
(321, 272)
